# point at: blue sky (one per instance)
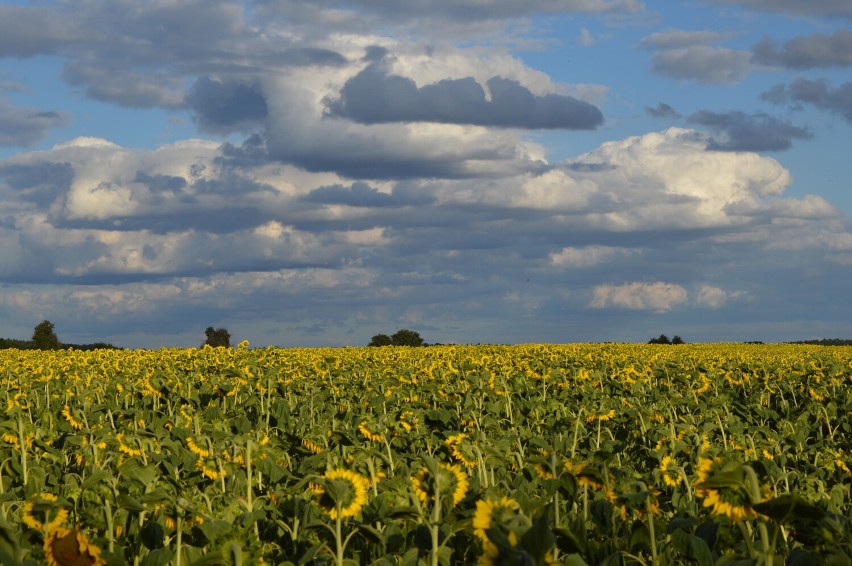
(308, 173)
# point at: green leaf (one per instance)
(691, 547)
(538, 539)
(158, 557)
(129, 503)
(788, 507)
(152, 535)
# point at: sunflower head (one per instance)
(341, 493)
(723, 487)
(443, 479)
(509, 537)
(70, 547)
(43, 512)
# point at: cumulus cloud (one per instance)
(739, 131)
(658, 296)
(226, 105)
(711, 297)
(373, 96)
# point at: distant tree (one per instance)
(217, 337)
(44, 338)
(402, 337)
(661, 339)
(381, 340)
(678, 340)
(406, 337)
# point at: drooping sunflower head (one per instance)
(462, 450)
(341, 493)
(446, 479)
(43, 512)
(70, 547)
(721, 485)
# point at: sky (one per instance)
(315, 172)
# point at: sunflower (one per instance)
(70, 547)
(342, 493)
(731, 501)
(494, 513)
(487, 510)
(368, 434)
(668, 469)
(69, 416)
(43, 513)
(461, 449)
(449, 479)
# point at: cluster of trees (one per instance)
(217, 337)
(403, 337)
(44, 338)
(663, 339)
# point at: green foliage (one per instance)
(217, 337)
(44, 337)
(403, 337)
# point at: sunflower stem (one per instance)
(754, 484)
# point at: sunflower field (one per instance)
(522, 455)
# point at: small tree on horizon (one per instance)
(217, 337)
(381, 340)
(44, 337)
(403, 337)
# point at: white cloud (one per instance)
(659, 296)
(711, 297)
(587, 256)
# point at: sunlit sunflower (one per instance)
(730, 502)
(342, 494)
(70, 547)
(450, 479)
(42, 513)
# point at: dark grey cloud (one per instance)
(26, 31)
(748, 132)
(373, 97)
(39, 182)
(462, 11)
(806, 52)
(662, 110)
(818, 93)
(224, 106)
(309, 56)
(363, 195)
(26, 126)
(840, 8)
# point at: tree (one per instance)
(402, 337)
(217, 337)
(44, 338)
(678, 340)
(661, 339)
(406, 337)
(381, 340)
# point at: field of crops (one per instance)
(527, 455)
